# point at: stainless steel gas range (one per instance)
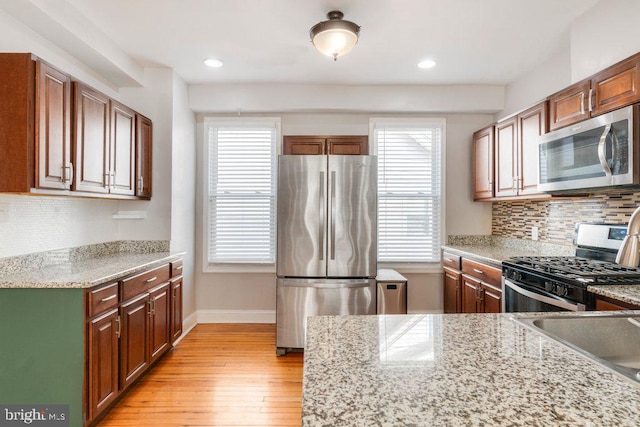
(559, 283)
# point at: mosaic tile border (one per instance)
(556, 218)
(59, 256)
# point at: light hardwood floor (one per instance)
(218, 375)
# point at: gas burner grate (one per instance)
(582, 270)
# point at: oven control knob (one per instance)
(561, 290)
(516, 275)
(549, 286)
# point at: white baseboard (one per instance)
(236, 316)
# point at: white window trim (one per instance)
(416, 267)
(208, 122)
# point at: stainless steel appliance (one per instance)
(392, 292)
(326, 241)
(599, 152)
(550, 283)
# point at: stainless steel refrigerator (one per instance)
(326, 241)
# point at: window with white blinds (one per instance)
(409, 189)
(241, 192)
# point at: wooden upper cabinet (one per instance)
(570, 105)
(483, 164)
(616, 86)
(53, 128)
(122, 149)
(348, 145)
(144, 150)
(532, 123)
(35, 125)
(506, 152)
(318, 145)
(310, 145)
(91, 123)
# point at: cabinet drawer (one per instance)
(487, 274)
(176, 268)
(142, 282)
(102, 299)
(450, 260)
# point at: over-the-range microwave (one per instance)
(599, 152)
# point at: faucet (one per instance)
(629, 252)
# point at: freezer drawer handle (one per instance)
(328, 285)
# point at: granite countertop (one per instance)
(86, 273)
(493, 250)
(444, 370)
(625, 293)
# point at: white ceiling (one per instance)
(261, 41)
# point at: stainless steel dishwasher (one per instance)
(392, 292)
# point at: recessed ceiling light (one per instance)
(213, 62)
(427, 63)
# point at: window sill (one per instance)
(239, 268)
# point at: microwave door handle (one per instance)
(601, 150)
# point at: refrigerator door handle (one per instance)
(333, 215)
(322, 214)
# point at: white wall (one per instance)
(222, 296)
(183, 194)
(604, 35)
(154, 100)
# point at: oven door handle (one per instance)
(547, 300)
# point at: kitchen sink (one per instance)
(612, 341)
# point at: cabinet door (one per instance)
(102, 362)
(531, 124)
(176, 309)
(491, 300)
(134, 354)
(53, 128)
(91, 140)
(310, 145)
(470, 289)
(570, 105)
(616, 86)
(160, 317)
(348, 145)
(144, 144)
(122, 150)
(506, 158)
(452, 291)
(483, 164)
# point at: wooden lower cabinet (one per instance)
(134, 357)
(103, 362)
(131, 323)
(452, 290)
(159, 324)
(176, 308)
(470, 289)
(610, 304)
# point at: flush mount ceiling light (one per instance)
(334, 37)
(427, 63)
(213, 62)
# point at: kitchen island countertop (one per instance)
(443, 370)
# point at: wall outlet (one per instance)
(534, 233)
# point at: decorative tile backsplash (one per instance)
(556, 218)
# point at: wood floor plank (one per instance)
(218, 375)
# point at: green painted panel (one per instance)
(42, 348)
